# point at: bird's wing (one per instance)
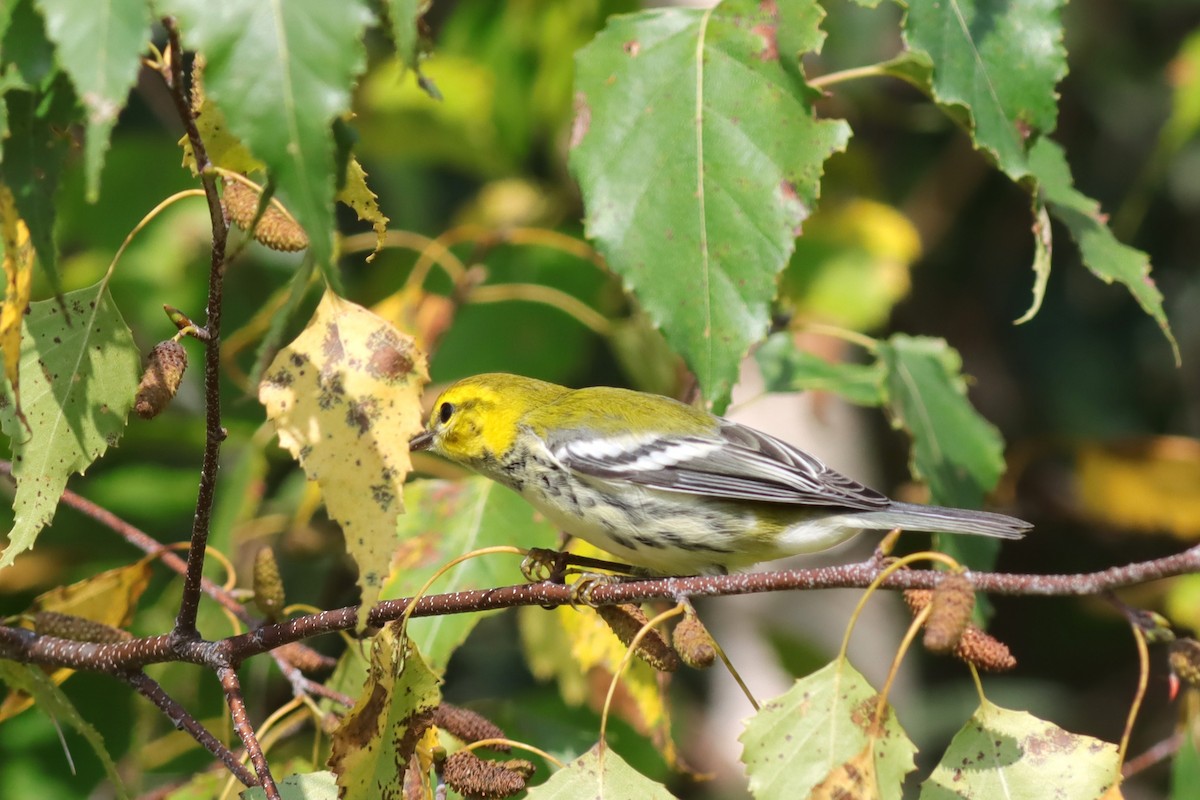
(733, 462)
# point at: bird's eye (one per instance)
(444, 412)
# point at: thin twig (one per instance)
(1160, 751)
(245, 731)
(184, 721)
(185, 622)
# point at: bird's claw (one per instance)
(588, 582)
(542, 564)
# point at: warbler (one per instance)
(661, 485)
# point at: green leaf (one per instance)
(957, 452)
(1185, 768)
(25, 45)
(51, 700)
(371, 747)
(280, 72)
(6, 10)
(786, 369)
(822, 734)
(1108, 259)
(698, 155)
(78, 377)
(954, 449)
(913, 67)
(444, 520)
(99, 45)
(404, 15)
(310, 786)
(599, 773)
(33, 162)
(998, 60)
(10, 80)
(1012, 754)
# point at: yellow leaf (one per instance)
(365, 203)
(1146, 484)
(18, 274)
(108, 598)
(345, 400)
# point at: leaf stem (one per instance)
(537, 293)
(905, 644)
(1143, 680)
(854, 73)
(630, 651)
(833, 331)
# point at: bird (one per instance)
(665, 487)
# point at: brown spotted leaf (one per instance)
(373, 744)
(1002, 754)
(345, 400)
(824, 737)
(79, 370)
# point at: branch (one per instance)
(241, 724)
(26, 646)
(214, 434)
(184, 721)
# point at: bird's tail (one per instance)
(937, 519)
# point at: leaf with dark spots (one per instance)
(81, 388)
(1005, 753)
(349, 422)
(371, 747)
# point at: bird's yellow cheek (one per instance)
(464, 443)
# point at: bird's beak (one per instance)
(421, 441)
